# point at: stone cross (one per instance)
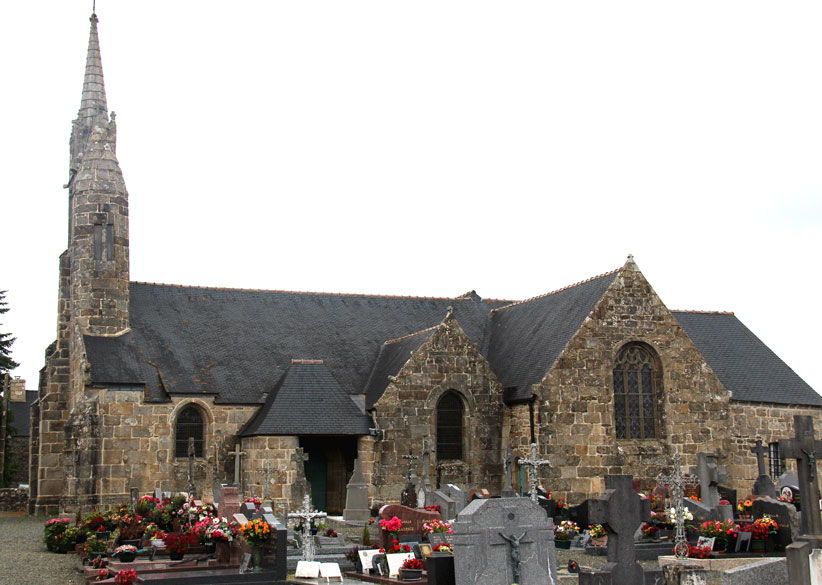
(804, 448)
(427, 488)
(237, 455)
(763, 486)
(267, 484)
(411, 458)
(621, 510)
(409, 494)
(306, 515)
(192, 490)
(677, 482)
(710, 476)
(508, 466)
(534, 464)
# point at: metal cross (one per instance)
(306, 515)
(191, 452)
(677, 481)
(267, 484)
(534, 464)
(411, 458)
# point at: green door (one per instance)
(316, 471)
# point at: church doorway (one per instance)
(330, 464)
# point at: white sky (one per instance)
(431, 148)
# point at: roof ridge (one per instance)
(316, 293)
(395, 340)
(307, 362)
(581, 282)
(702, 312)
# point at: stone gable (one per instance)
(447, 360)
(575, 399)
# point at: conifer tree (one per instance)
(6, 363)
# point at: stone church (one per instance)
(601, 375)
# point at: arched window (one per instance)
(189, 424)
(449, 427)
(637, 379)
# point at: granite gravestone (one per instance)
(804, 448)
(448, 507)
(710, 476)
(229, 501)
(784, 514)
(412, 521)
(504, 541)
(356, 497)
(763, 486)
(621, 511)
(459, 496)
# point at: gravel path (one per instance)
(24, 559)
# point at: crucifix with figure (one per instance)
(534, 463)
(804, 449)
(267, 471)
(306, 516)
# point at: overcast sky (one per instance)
(432, 148)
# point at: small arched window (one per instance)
(449, 426)
(189, 424)
(637, 379)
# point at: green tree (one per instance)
(6, 340)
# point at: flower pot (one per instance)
(411, 574)
(126, 557)
(257, 558)
(757, 545)
(176, 556)
(210, 548)
(564, 544)
(223, 553)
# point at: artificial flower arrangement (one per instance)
(220, 530)
(178, 542)
(758, 531)
(256, 501)
(255, 532)
(769, 523)
(699, 552)
(788, 499)
(684, 515)
(126, 577)
(444, 548)
(649, 530)
(393, 525)
(94, 546)
(596, 530)
(53, 532)
(412, 563)
(146, 505)
(331, 533)
(566, 530)
(436, 526)
(560, 503)
(102, 575)
(125, 548)
(435, 508)
(721, 531)
(745, 506)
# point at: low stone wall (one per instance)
(14, 500)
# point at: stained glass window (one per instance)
(189, 424)
(449, 427)
(636, 386)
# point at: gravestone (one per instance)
(448, 507)
(412, 521)
(764, 572)
(503, 541)
(135, 497)
(763, 486)
(229, 501)
(240, 518)
(788, 486)
(621, 511)
(426, 489)
(508, 470)
(408, 497)
(784, 514)
(710, 476)
(395, 561)
(459, 496)
(804, 448)
(300, 488)
(356, 497)
(158, 494)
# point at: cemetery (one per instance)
(681, 528)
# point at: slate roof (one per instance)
(393, 355)
(307, 400)
(21, 411)
(744, 365)
(526, 338)
(236, 344)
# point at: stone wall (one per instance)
(277, 450)
(447, 360)
(14, 500)
(767, 422)
(576, 410)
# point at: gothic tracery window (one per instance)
(189, 424)
(637, 377)
(449, 426)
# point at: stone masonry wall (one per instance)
(767, 422)
(576, 397)
(447, 360)
(277, 450)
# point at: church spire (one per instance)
(93, 102)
